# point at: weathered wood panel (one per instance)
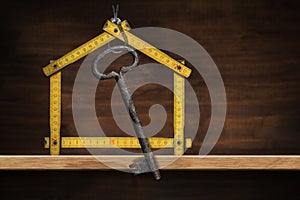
(255, 44)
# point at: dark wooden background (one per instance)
(255, 45)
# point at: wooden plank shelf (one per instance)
(213, 162)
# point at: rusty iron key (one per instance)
(149, 164)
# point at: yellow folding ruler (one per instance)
(119, 31)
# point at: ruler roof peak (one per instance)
(116, 29)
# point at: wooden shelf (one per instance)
(232, 162)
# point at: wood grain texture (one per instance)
(255, 45)
(122, 162)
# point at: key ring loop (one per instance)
(123, 69)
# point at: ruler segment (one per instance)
(77, 53)
(114, 142)
(179, 146)
(55, 113)
(148, 49)
(81, 51)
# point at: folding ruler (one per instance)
(115, 31)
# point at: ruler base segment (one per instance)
(114, 142)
